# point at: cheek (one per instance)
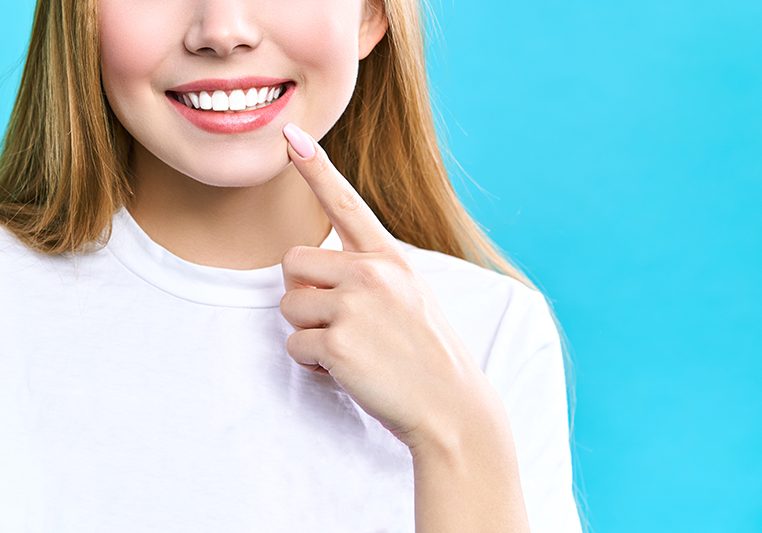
(133, 39)
(321, 38)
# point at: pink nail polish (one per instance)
(299, 140)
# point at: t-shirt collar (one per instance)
(255, 288)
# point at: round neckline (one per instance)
(227, 287)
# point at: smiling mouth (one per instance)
(236, 101)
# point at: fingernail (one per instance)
(301, 142)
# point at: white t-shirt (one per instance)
(140, 392)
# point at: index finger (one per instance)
(357, 225)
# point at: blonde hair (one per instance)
(64, 168)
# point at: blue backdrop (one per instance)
(617, 148)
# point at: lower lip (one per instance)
(236, 122)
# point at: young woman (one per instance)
(211, 322)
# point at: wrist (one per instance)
(468, 480)
(483, 426)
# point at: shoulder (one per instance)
(490, 310)
(21, 265)
(19, 268)
(459, 275)
(461, 280)
(12, 249)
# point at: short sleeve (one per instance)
(525, 364)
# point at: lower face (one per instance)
(147, 48)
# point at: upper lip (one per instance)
(217, 84)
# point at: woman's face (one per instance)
(149, 46)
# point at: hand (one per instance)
(366, 318)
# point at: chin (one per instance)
(248, 177)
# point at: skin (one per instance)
(225, 200)
(366, 317)
(240, 200)
(362, 314)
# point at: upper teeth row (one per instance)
(237, 100)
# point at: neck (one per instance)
(229, 227)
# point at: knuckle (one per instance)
(348, 201)
(322, 165)
(399, 261)
(402, 262)
(291, 343)
(285, 299)
(369, 274)
(415, 300)
(345, 304)
(336, 343)
(422, 293)
(292, 255)
(285, 305)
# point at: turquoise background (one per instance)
(615, 150)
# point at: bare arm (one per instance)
(467, 479)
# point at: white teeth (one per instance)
(237, 100)
(262, 95)
(251, 97)
(204, 100)
(220, 101)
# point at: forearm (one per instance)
(468, 480)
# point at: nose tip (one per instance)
(222, 50)
(222, 32)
